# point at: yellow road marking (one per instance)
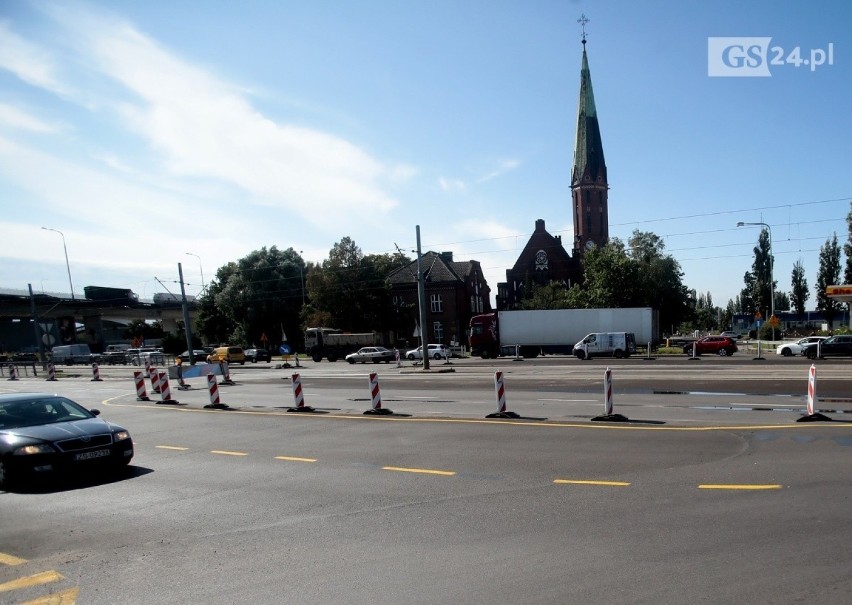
(34, 580)
(424, 471)
(546, 425)
(742, 487)
(10, 560)
(588, 482)
(227, 453)
(295, 459)
(172, 447)
(65, 597)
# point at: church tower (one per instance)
(589, 186)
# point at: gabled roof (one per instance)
(437, 267)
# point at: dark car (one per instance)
(835, 346)
(718, 345)
(255, 355)
(372, 354)
(44, 434)
(199, 355)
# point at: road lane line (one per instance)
(731, 486)
(40, 578)
(295, 459)
(64, 597)
(424, 471)
(11, 560)
(227, 453)
(172, 447)
(590, 482)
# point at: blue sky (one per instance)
(146, 130)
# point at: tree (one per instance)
(847, 249)
(660, 279)
(799, 293)
(350, 290)
(828, 274)
(759, 282)
(259, 295)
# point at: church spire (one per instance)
(588, 179)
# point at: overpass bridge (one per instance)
(48, 319)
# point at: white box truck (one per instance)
(555, 331)
(606, 344)
(71, 354)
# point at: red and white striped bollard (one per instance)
(141, 393)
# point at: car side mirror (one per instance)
(95, 412)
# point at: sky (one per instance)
(153, 134)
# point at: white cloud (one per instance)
(23, 120)
(27, 61)
(503, 166)
(451, 184)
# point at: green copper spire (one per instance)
(588, 152)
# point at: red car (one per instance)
(720, 345)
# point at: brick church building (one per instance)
(544, 259)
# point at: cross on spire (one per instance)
(582, 21)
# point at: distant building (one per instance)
(455, 292)
(544, 259)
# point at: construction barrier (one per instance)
(13, 372)
(609, 403)
(500, 392)
(51, 372)
(226, 374)
(96, 373)
(213, 391)
(813, 415)
(165, 391)
(154, 377)
(376, 397)
(299, 396)
(141, 393)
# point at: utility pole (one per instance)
(421, 297)
(187, 328)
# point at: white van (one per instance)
(71, 354)
(611, 344)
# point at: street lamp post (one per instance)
(771, 270)
(67, 264)
(302, 277)
(203, 287)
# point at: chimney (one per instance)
(447, 256)
(539, 225)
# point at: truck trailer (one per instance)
(334, 344)
(555, 331)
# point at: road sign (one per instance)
(758, 316)
(263, 338)
(773, 321)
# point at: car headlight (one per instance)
(38, 448)
(121, 436)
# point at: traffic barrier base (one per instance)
(226, 375)
(608, 415)
(213, 390)
(500, 392)
(299, 397)
(813, 415)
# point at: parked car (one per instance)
(200, 355)
(48, 434)
(372, 354)
(796, 348)
(229, 354)
(139, 357)
(720, 345)
(435, 352)
(834, 346)
(255, 355)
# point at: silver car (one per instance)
(788, 349)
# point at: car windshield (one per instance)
(39, 410)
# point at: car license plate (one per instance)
(93, 454)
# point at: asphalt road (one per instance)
(713, 493)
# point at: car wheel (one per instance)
(351, 361)
(723, 352)
(4, 475)
(436, 356)
(785, 352)
(618, 354)
(410, 356)
(580, 354)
